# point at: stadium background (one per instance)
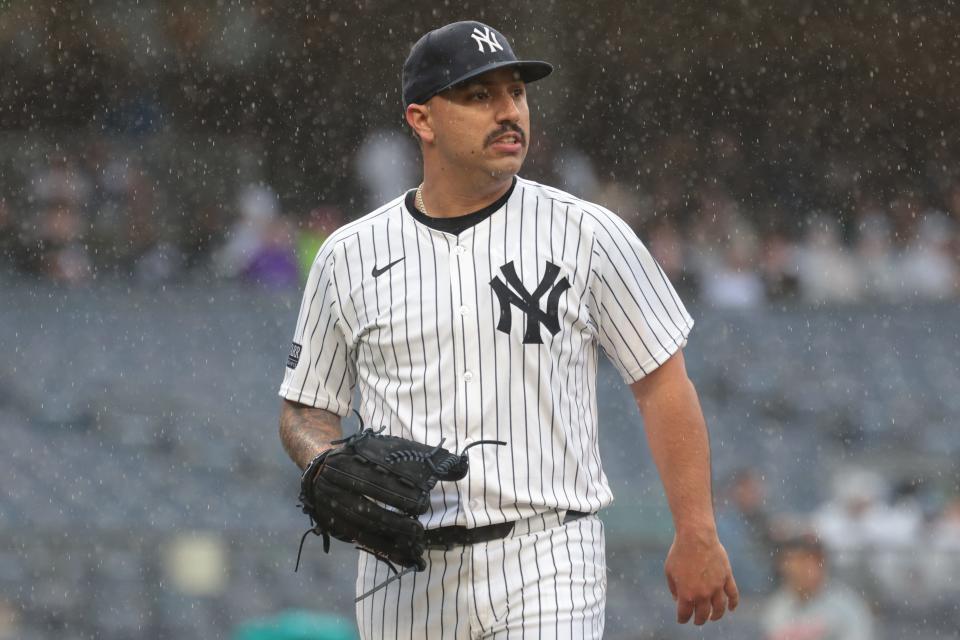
(165, 167)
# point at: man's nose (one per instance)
(507, 109)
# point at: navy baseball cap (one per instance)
(456, 53)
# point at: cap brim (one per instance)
(530, 71)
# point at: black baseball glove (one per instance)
(369, 489)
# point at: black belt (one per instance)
(449, 537)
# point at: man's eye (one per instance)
(480, 95)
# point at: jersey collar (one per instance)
(459, 224)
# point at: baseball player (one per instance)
(472, 309)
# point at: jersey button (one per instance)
(459, 250)
(464, 310)
(468, 376)
(474, 504)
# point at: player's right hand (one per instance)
(700, 578)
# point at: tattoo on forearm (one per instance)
(306, 431)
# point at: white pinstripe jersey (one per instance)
(439, 334)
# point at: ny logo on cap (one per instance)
(488, 37)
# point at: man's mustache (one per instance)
(505, 129)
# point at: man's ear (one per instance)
(420, 120)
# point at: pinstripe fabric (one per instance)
(421, 343)
(548, 582)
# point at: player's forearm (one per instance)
(307, 431)
(678, 440)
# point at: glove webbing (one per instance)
(444, 467)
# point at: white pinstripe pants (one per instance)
(544, 580)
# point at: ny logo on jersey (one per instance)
(529, 302)
(486, 37)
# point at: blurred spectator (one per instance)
(625, 202)
(945, 531)
(874, 250)
(928, 268)
(708, 231)
(778, 267)
(941, 560)
(126, 231)
(746, 530)
(726, 253)
(810, 605)
(60, 181)
(258, 207)
(260, 247)
(202, 231)
(895, 564)
(857, 521)
(386, 166)
(576, 173)
(827, 271)
(320, 223)
(904, 212)
(734, 283)
(667, 247)
(274, 263)
(8, 621)
(60, 254)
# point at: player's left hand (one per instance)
(700, 578)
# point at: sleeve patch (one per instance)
(294, 356)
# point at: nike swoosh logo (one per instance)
(376, 273)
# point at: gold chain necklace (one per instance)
(419, 200)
